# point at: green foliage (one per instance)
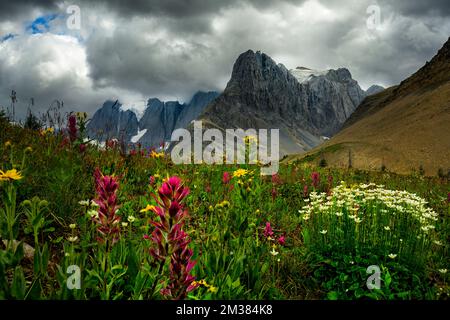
(226, 225)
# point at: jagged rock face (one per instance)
(160, 119)
(111, 122)
(195, 107)
(263, 94)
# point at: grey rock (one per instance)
(374, 90)
(262, 94)
(111, 122)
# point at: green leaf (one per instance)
(18, 285)
(333, 295)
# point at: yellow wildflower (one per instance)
(7, 144)
(148, 208)
(240, 173)
(213, 289)
(156, 155)
(72, 226)
(10, 175)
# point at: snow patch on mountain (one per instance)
(140, 134)
(303, 74)
(137, 107)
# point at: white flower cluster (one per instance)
(369, 198)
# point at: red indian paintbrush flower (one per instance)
(107, 221)
(305, 191)
(226, 178)
(282, 240)
(171, 241)
(315, 177)
(72, 126)
(268, 232)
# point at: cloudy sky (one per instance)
(133, 50)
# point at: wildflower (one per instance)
(131, 219)
(323, 231)
(72, 239)
(67, 254)
(249, 139)
(7, 144)
(81, 116)
(358, 220)
(387, 228)
(443, 271)
(28, 149)
(240, 173)
(72, 128)
(146, 237)
(315, 177)
(305, 191)
(156, 155)
(107, 219)
(268, 230)
(392, 256)
(170, 239)
(12, 174)
(84, 203)
(439, 243)
(124, 224)
(148, 208)
(72, 226)
(82, 148)
(93, 214)
(213, 289)
(226, 178)
(274, 252)
(276, 179)
(282, 240)
(274, 194)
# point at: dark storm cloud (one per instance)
(420, 8)
(170, 49)
(11, 9)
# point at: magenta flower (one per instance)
(276, 179)
(305, 191)
(72, 127)
(282, 240)
(274, 194)
(226, 178)
(107, 220)
(315, 177)
(82, 148)
(268, 232)
(171, 241)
